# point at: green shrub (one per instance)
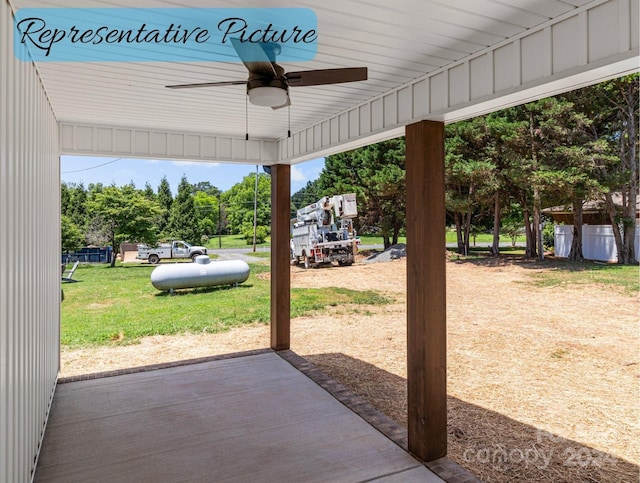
(261, 234)
(547, 235)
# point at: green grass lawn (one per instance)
(234, 241)
(377, 240)
(558, 272)
(624, 277)
(482, 238)
(119, 305)
(484, 251)
(237, 241)
(450, 238)
(266, 255)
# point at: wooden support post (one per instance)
(280, 257)
(426, 297)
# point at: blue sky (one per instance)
(121, 171)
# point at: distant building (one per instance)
(598, 242)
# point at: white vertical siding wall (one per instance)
(598, 242)
(29, 259)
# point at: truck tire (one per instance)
(194, 256)
(305, 260)
(154, 259)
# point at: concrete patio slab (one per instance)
(252, 418)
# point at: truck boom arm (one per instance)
(343, 207)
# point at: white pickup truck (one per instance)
(176, 249)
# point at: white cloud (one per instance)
(297, 174)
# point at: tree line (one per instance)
(503, 168)
(111, 215)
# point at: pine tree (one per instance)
(376, 174)
(165, 199)
(183, 221)
(78, 205)
(305, 196)
(148, 191)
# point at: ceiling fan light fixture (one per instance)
(268, 96)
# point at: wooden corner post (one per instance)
(426, 298)
(280, 257)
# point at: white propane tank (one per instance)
(201, 273)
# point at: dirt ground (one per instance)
(543, 383)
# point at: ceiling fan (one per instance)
(268, 84)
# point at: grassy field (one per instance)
(562, 273)
(450, 238)
(265, 255)
(119, 305)
(483, 238)
(484, 251)
(237, 241)
(377, 240)
(552, 272)
(234, 241)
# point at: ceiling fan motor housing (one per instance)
(267, 91)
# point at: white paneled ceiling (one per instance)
(398, 41)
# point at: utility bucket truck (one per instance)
(323, 233)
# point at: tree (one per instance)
(148, 191)
(613, 109)
(183, 220)
(71, 236)
(499, 129)
(305, 196)
(626, 101)
(376, 174)
(124, 214)
(207, 209)
(65, 199)
(387, 190)
(545, 161)
(206, 187)
(238, 203)
(94, 188)
(76, 205)
(165, 199)
(343, 173)
(578, 164)
(470, 174)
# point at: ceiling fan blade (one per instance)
(326, 76)
(286, 104)
(208, 84)
(254, 57)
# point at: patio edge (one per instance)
(444, 468)
(162, 365)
